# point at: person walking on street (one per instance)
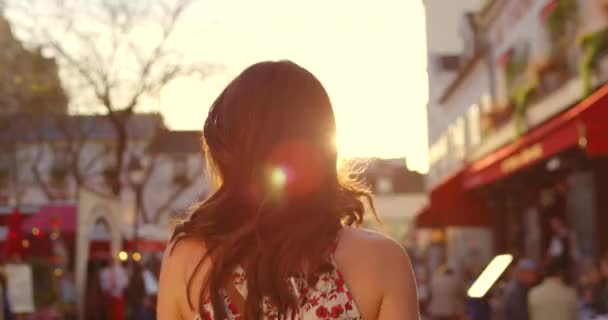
(274, 239)
(604, 283)
(447, 295)
(562, 247)
(553, 299)
(114, 280)
(516, 296)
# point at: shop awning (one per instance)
(585, 126)
(51, 218)
(451, 205)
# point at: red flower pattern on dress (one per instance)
(328, 299)
(336, 311)
(322, 312)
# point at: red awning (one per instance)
(425, 218)
(585, 125)
(49, 218)
(451, 205)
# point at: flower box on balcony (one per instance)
(550, 75)
(497, 117)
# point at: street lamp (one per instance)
(137, 174)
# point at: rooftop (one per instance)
(176, 142)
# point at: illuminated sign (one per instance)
(522, 158)
(488, 277)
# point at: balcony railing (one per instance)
(540, 111)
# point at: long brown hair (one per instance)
(280, 200)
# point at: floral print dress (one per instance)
(329, 299)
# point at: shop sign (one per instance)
(522, 158)
(20, 287)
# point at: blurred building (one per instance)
(398, 196)
(526, 136)
(459, 86)
(51, 162)
(29, 81)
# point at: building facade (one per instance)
(398, 196)
(459, 88)
(448, 37)
(50, 164)
(537, 140)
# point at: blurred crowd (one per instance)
(122, 291)
(564, 286)
(116, 290)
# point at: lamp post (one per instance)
(137, 174)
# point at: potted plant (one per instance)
(604, 5)
(593, 44)
(523, 98)
(496, 117)
(561, 24)
(549, 73)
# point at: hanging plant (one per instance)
(522, 100)
(593, 44)
(516, 67)
(496, 117)
(561, 22)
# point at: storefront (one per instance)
(558, 169)
(458, 224)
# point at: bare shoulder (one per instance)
(183, 253)
(179, 266)
(380, 250)
(378, 271)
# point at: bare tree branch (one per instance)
(176, 194)
(101, 52)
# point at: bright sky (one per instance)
(370, 55)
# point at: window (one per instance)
(180, 168)
(438, 150)
(458, 138)
(384, 185)
(4, 171)
(61, 155)
(60, 165)
(486, 102)
(474, 125)
(109, 156)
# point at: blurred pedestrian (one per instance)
(477, 308)
(422, 282)
(3, 298)
(447, 295)
(95, 302)
(516, 295)
(147, 310)
(604, 282)
(114, 280)
(562, 247)
(135, 291)
(591, 288)
(553, 299)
